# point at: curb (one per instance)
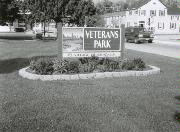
(23, 73)
(170, 43)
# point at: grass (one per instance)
(26, 49)
(105, 105)
(16, 35)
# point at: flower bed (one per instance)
(53, 66)
(48, 69)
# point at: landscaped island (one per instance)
(50, 68)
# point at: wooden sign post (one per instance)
(59, 40)
(122, 41)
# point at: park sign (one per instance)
(91, 41)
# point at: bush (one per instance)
(48, 66)
(106, 64)
(60, 66)
(43, 66)
(136, 64)
(83, 60)
(88, 64)
(85, 68)
(73, 67)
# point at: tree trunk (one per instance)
(44, 29)
(10, 27)
(59, 40)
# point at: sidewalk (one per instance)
(168, 42)
(166, 49)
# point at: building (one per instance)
(150, 14)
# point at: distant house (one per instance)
(150, 14)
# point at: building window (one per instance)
(136, 12)
(141, 23)
(128, 24)
(130, 12)
(172, 17)
(143, 12)
(160, 25)
(172, 25)
(152, 12)
(161, 13)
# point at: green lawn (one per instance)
(129, 104)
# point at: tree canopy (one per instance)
(60, 10)
(8, 13)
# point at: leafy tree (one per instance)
(8, 13)
(95, 21)
(105, 7)
(79, 10)
(58, 10)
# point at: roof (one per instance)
(170, 10)
(173, 11)
(139, 4)
(114, 14)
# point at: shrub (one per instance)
(88, 64)
(73, 67)
(48, 66)
(139, 64)
(43, 66)
(106, 64)
(84, 68)
(136, 64)
(60, 66)
(83, 60)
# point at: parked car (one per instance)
(138, 35)
(4, 28)
(49, 35)
(50, 31)
(19, 29)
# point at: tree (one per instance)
(95, 21)
(59, 10)
(8, 13)
(79, 10)
(105, 7)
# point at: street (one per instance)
(170, 50)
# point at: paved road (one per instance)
(156, 48)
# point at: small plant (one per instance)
(43, 66)
(139, 64)
(88, 64)
(136, 64)
(60, 66)
(85, 68)
(83, 60)
(108, 65)
(73, 67)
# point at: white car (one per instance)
(4, 29)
